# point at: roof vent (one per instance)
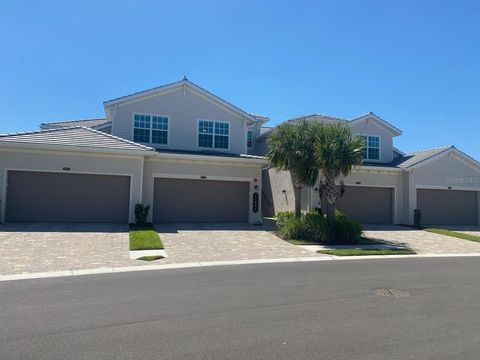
(185, 78)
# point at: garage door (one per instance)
(368, 205)
(447, 207)
(185, 200)
(61, 197)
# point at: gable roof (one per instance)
(414, 158)
(389, 127)
(92, 123)
(185, 82)
(76, 137)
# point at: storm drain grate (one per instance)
(391, 292)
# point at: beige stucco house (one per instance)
(178, 148)
(194, 157)
(444, 183)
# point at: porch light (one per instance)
(66, 168)
(203, 177)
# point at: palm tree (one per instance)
(291, 148)
(336, 150)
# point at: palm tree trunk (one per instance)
(330, 193)
(297, 191)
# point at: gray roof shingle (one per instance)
(78, 136)
(413, 158)
(71, 123)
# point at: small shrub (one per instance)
(141, 214)
(317, 226)
(290, 226)
(417, 218)
(346, 231)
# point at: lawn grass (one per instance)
(454, 234)
(150, 258)
(360, 252)
(144, 238)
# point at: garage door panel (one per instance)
(448, 207)
(59, 197)
(369, 205)
(188, 200)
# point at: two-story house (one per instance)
(444, 183)
(177, 148)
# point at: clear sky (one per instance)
(414, 63)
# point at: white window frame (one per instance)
(366, 146)
(151, 128)
(213, 142)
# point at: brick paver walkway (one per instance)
(187, 243)
(27, 248)
(422, 242)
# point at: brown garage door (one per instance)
(447, 207)
(62, 197)
(368, 205)
(185, 200)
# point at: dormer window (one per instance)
(371, 149)
(150, 129)
(213, 134)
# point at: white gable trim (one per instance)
(387, 126)
(143, 95)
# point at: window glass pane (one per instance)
(373, 141)
(221, 142)
(205, 140)
(221, 128)
(159, 122)
(142, 121)
(249, 139)
(141, 135)
(205, 127)
(373, 154)
(159, 137)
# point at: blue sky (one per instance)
(414, 63)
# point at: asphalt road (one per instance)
(318, 310)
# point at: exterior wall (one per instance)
(78, 163)
(260, 147)
(281, 190)
(386, 139)
(255, 129)
(184, 107)
(448, 171)
(190, 169)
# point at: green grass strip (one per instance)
(360, 252)
(144, 239)
(454, 234)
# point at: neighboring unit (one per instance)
(444, 183)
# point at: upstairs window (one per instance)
(213, 134)
(152, 129)
(249, 138)
(371, 149)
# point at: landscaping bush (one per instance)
(346, 231)
(417, 218)
(141, 214)
(317, 226)
(293, 227)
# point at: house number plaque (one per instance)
(255, 202)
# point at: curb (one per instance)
(55, 274)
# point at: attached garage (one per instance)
(192, 200)
(448, 207)
(368, 205)
(66, 197)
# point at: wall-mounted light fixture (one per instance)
(203, 177)
(358, 182)
(284, 191)
(66, 168)
(449, 188)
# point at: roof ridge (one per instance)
(431, 149)
(38, 131)
(69, 121)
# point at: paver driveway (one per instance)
(27, 248)
(186, 243)
(422, 242)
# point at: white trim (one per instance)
(198, 177)
(446, 188)
(389, 127)
(151, 129)
(211, 159)
(213, 148)
(5, 184)
(378, 169)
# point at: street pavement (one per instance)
(312, 310)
